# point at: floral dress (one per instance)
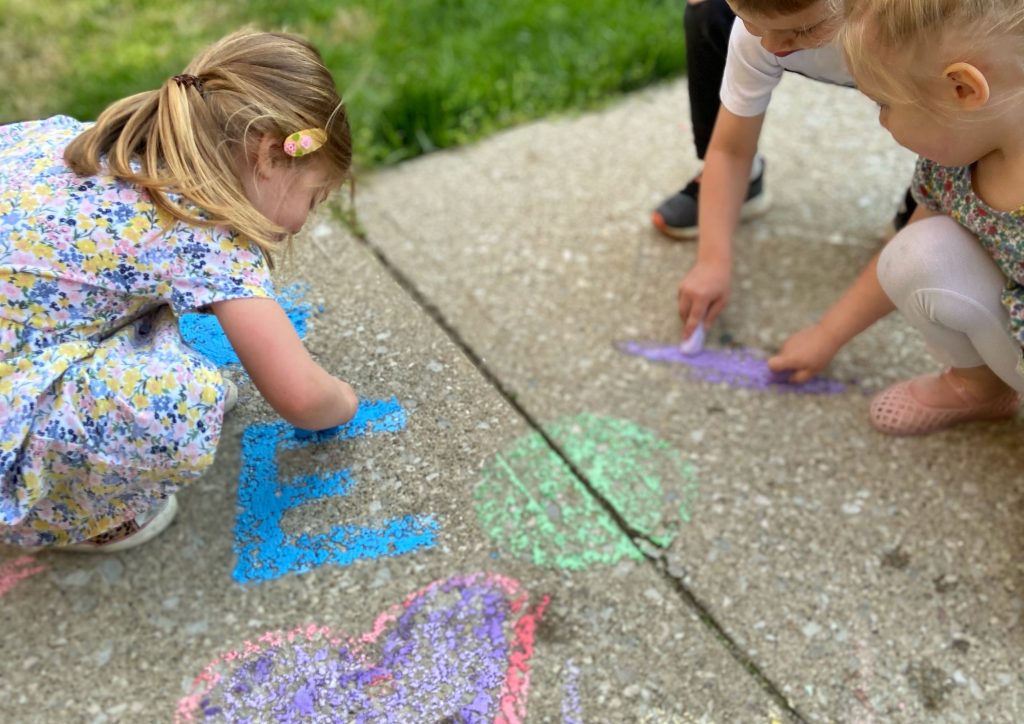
(950, 191)
(104, 410)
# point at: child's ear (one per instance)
(967, 85)
(263, 157)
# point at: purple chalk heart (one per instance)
(455, 649)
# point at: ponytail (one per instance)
(189, 137)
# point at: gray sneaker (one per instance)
(676, 218)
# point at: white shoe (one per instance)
(230, 395)
(143, 528)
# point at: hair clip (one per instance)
(302, 142)
(185, 80)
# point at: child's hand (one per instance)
(299, 390)
(805, 354)
(703, 294)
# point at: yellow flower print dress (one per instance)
(104, 410)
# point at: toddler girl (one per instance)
(173, 201)
(950, 86)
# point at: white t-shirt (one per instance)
(751, 72)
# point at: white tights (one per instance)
(937, 273)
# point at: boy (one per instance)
(707, 25)
(767, 38)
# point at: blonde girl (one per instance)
(175, 200)
(948, 76)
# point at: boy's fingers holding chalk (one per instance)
(684, 306)
(714, 310)
(704, 312)
(698, 313)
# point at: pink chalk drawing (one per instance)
(864, 680)
(14, 571)
(453, 649)
(742, 367)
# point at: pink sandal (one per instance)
(895, 411)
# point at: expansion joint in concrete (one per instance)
(648, 547)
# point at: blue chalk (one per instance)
(202, 332)
(265, 551)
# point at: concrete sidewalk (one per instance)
(542, 513)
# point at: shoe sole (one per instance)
(146, 533)
(758, 206)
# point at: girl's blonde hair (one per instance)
(188, 138)
(773, 8)
(875, 29)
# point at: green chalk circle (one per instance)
(530, 502)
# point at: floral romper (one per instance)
(949, 191)
(104, 410)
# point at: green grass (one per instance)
(417, 75)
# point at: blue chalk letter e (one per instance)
(264, 550)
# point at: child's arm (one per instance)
(704, 291)
(863, 303)
(808, 351)
(298, 389)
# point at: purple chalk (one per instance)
(739, 368)
(694, 344)
(447, 654)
